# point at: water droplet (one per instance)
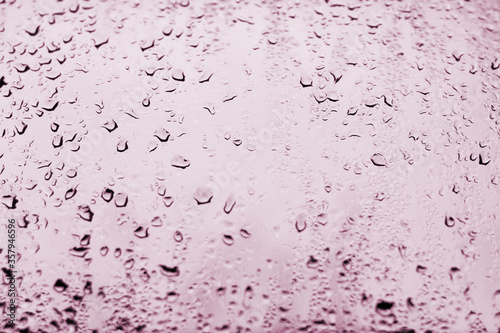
(104, 251)
(170, 271)
(421, 269)
(312, 262)
(378, 160)
(178, 75)
(122, 145)
(306, 80)
(229, 204)
(121, 200)
(85, 213)
(157, 222)
(205, 76)
(203, 195)
(322, 218)
(110, 125)
(70, 193)
(383, 308)
(180, 162)
(168, 201)
(60, 286)
(107, 194)
(244, 233)
(85, 241)
(141, 232)
(9, 201)
(129, 264)
(162, 135)
(178, 236)
(449, 221)
(87, 290)
(300, 222)
(228, 239)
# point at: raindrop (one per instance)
(421, 269)
(70, 193)
(110, 125)
(203, 195)
(378, 160)
(383, 308)
(141, 232)
(228, 239)
(118, 252)
(172, 296)
(300, 222)
(162, 135)
(9, 201)
(60, 286)
(229, 204)
(322, 218)
(87, 290)
(104, 251)
(129, 264)
(79, 252)
(85, 241)
(122, 145)
(178, 236)
(244, 233)
(312, 262)
(85, 213)
(107, 194)
(21, 127)
(168, 201)
(306, 80)
(121, 200)
(156, 222)
(205, 76)
(178, 75)
(57, 141)
(449, 221)
(169, 271)
(180, 162)
(167, 30)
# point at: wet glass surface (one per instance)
(251, 166)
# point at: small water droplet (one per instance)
(162, 135)
(85, 213)
(122, 145)
(157, 221)
(107, 194)
(178, 75)
(228, 239)
(378, 160)
(229, 204)
(170, 271)
(60, 286)
(141, 232)
(178, 236)
(70, 193)
(300, 222)
(203, 195)
(449, 221)
(244, 233)
(180, 162)
(104, 251)
(121, 200)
